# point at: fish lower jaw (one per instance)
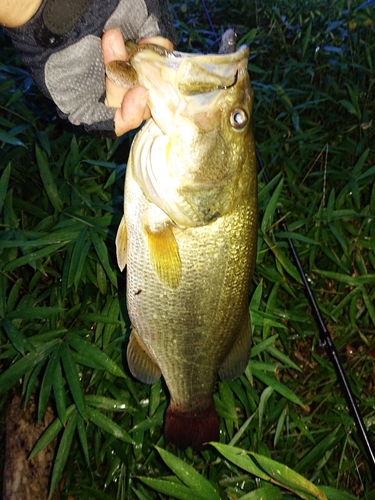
(193, 428)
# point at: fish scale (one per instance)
(188, 234)
(197, 311)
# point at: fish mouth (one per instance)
(194, 73)
(187, 85)
(156, 52)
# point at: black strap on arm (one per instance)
(59, 17)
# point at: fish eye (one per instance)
(238, 118)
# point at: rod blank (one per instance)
(327, 341)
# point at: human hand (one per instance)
(131, 104)
(65, 57)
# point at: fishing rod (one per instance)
(326, 339)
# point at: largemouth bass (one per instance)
(188, 233)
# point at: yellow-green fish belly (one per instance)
(190, 329)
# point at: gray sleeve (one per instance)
(75, 79)
(72, 74)
(142, 19)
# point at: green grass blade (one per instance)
(72, 378)
(262, 346)
(268, 492)
(263, 403)
(59, 393)
(107, 425)
(102, 252)
(280, 356)
(349, 107)
(30, 381)
(63, 451)
(280, 425)
(269, 213)
(108, 404)
(91, 353)
(227, 407)
(4, 181)
(47, 382)
(334, 494)
(83, 438)
(13, 295)
(44, 141)
(369, 305)
(277, 386)
(169, 488)
(32, 257)
(35, 312)
(16, 371)
(150, 422)
(17, 338)
(190, 477)
(50, 433)
(283, 259)
(114, 311)
(242, 430)
(283, 475)
(358, 167)
(306, 40)
(78, 257)
(256, 298)
(101, 318)
(311, 458)
(368, 279)
(48, 180)
(242, 459)
(10, 139)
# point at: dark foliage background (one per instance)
(62, 311)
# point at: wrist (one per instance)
(15, 13)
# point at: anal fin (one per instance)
(236, 361)
(164, 255)
(122, 244)
(140, 363)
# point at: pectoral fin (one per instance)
(236, 361)
(121, 244)
(140, 363)
(164, 255)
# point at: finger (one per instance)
(132, 103)
(113, 48)
(133, 111)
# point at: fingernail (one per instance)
(117, 44)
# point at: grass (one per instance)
(63, 318)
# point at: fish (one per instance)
(188, 233)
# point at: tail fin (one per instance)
(184, 429)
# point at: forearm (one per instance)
(14, 13)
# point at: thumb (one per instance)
(133, 111)
(113, 46)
